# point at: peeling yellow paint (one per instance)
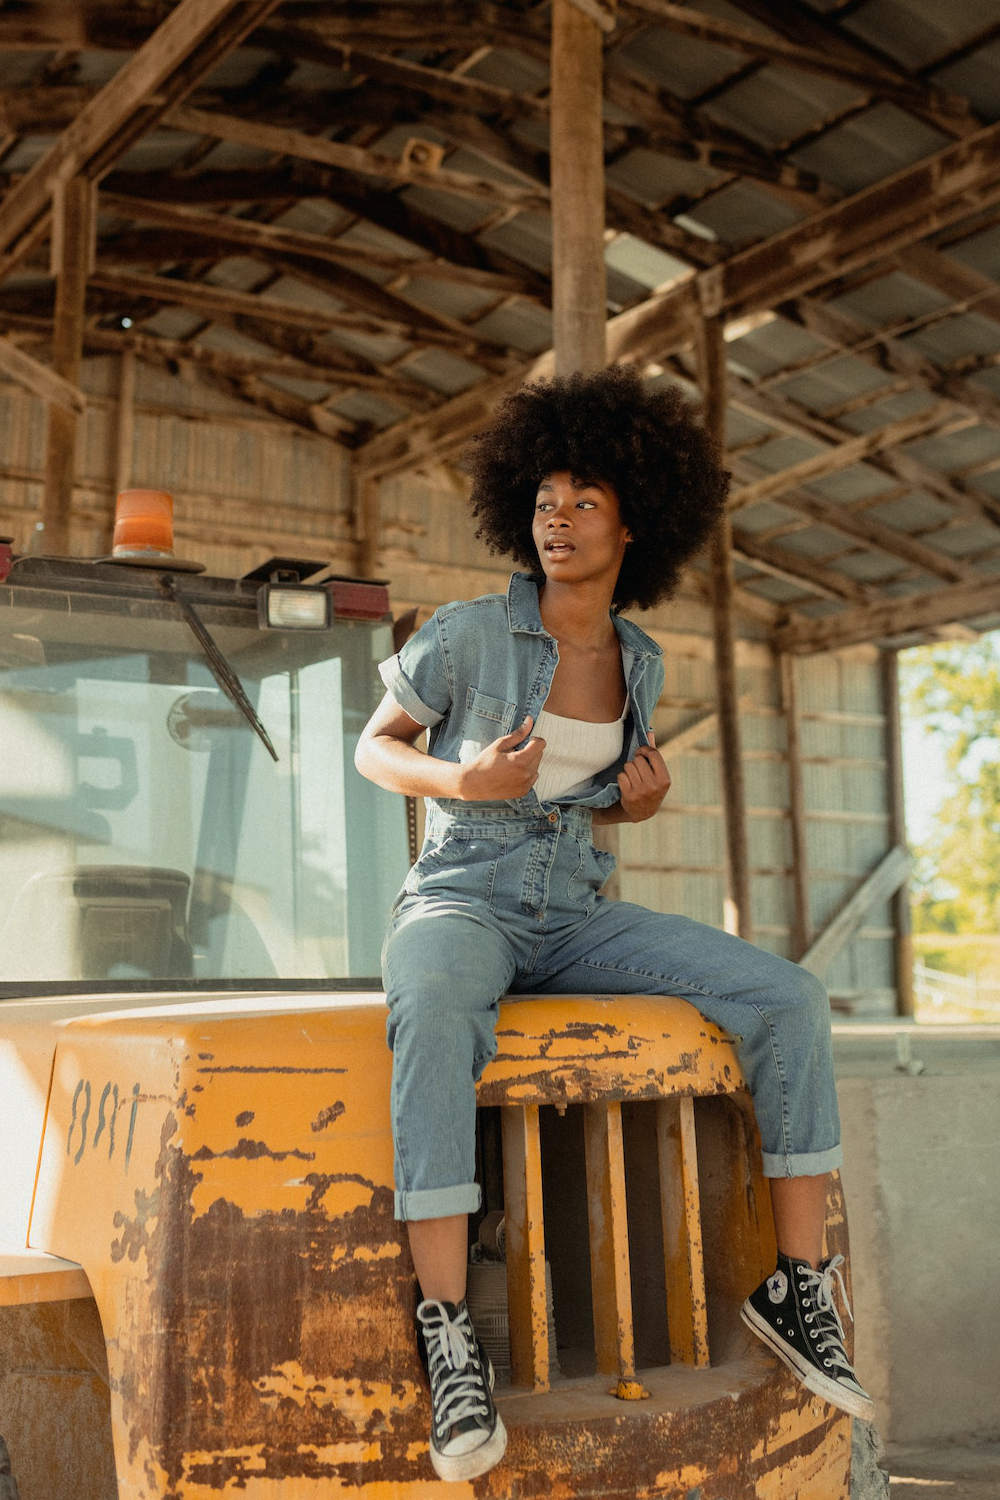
(344, 1453)
(387, 1251)
(260, 1185)
(249, 1457)
(344, 1197)
(354, 1399)
(687, 1477)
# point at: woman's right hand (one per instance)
(502, 770)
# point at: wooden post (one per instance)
(126, 431)
(712, 377)
(72, 246)
(801, 925)
(579, 280)
(579, 284)
(366, 521)
(902, 920)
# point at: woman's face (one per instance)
(577, 529)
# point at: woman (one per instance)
(539, 707)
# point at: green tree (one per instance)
(954, 693)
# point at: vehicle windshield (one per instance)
(145, 832)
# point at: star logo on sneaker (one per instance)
(777, 1286)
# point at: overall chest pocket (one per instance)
(461, 864)
(486, 719)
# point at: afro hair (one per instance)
(647, 442)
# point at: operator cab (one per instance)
(178, 802)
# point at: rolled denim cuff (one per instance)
(438, 1203)
(405, 694)
(807, 1164)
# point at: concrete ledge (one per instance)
(920, 1111)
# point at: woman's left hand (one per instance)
(644, 782)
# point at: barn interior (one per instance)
(282, 258)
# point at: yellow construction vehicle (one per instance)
(203, 1291)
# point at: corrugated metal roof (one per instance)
(728, 127)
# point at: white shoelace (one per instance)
(822, 1284)
(451, 1347)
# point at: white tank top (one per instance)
(575, 750)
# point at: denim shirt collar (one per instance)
(524, 617)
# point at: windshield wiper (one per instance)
(224, 674)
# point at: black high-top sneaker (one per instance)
(793, 1312)
(467, 1435)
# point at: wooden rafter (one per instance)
(868, 75)
(843, 455)
(211, 299)
(412, 171)
(216, 230)
(192, 39)
(888, 618)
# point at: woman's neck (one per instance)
(578, 615)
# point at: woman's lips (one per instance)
(559, 547)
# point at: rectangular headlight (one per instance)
(293, 607)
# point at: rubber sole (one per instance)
(855, 1403)
(479, 1460)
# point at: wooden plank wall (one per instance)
(247, 488)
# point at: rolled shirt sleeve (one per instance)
(417, 676)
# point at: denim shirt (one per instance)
(479, 666)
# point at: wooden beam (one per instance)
(74, 213)
(888, 539)
(882, 349)
(125, 433)
(192, 39)
(787, 416)
(801, 924)
(816, 578)
(415, 169)
(39, 378)
(877, 887)
(863, 229)
(868, 75)
(960, 284)
(892, 617)
(274, 239)
(851, 450)
(579, 296)
(737, 914)
(342, 376)
(823, 34)
(211, 300)
(902, 916)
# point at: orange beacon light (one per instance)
(144, 524)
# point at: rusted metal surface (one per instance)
(525, 1247)
(223, 1172)
(577, 1049)
(683, 1254)
(610, 1282)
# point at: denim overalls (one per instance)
(504, 897)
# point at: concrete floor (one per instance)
(945, 1471)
